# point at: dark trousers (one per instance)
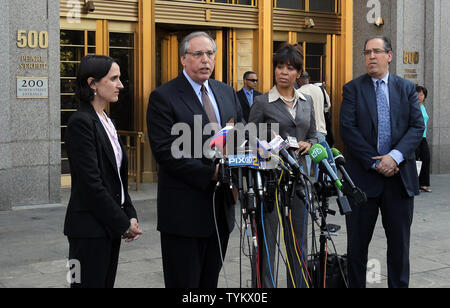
(397, 214)
(193, 262)
(423, 154)
(98, 259)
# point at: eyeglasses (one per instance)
(252, 80)
(199, 53)
(376, 51)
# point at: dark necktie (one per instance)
(384, 120)
(207, 105)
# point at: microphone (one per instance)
(292, 145)
(279, 146)
(331, 159)
(340, 162)
(220, 138)
(319, 155)
(358, 196)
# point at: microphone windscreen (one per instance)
(317, 153)
(220, 138)
(335, 152)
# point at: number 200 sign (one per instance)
(32, 87)
(32, 39)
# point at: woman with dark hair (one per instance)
(294, 113)
(100, 210)
(423, 151)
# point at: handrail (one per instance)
(133, 142)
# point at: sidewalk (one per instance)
(34, 251)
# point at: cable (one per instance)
(282, 232)
(296, 248)
(325, 266)
(258, 271)
(218, 236)
(267, 247)
(240, 249)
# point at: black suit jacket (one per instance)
(94, 209)
(185, 189)
(244, 102)
(359, 131)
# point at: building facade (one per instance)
(46, 39)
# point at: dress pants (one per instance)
(396, 209)
(423, 154)
(98, 259)
(191, 262)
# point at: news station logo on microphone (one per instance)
(249, 160)
(317, 153)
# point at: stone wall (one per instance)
(29, 127)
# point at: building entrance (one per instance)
(116, 39)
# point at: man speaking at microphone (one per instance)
(190, 244)
(381, 126)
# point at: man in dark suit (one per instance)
(381, 126)
(189, 218)
(248, 93)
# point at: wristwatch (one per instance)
(377, 163)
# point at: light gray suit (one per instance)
(270, 109)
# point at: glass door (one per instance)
(315, 61)
(74, 44)
(121, 47)
(114, 39)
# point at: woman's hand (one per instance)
(303, 147)
(134, 232)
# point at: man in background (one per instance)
(248, 93)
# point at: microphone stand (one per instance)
(324, 190)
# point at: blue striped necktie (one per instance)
(384, 120)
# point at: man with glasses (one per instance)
(248, 93)
(194, 233)
(381, 126)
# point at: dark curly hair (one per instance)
(289, 54)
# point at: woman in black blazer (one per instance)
(100, 210)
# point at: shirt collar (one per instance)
(274, 95)
(385, 79)
(248, 91)
(196, 86)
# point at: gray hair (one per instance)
(184, 45)
(386, 40)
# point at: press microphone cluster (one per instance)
(269, 177)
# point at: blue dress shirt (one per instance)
(197, 89)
